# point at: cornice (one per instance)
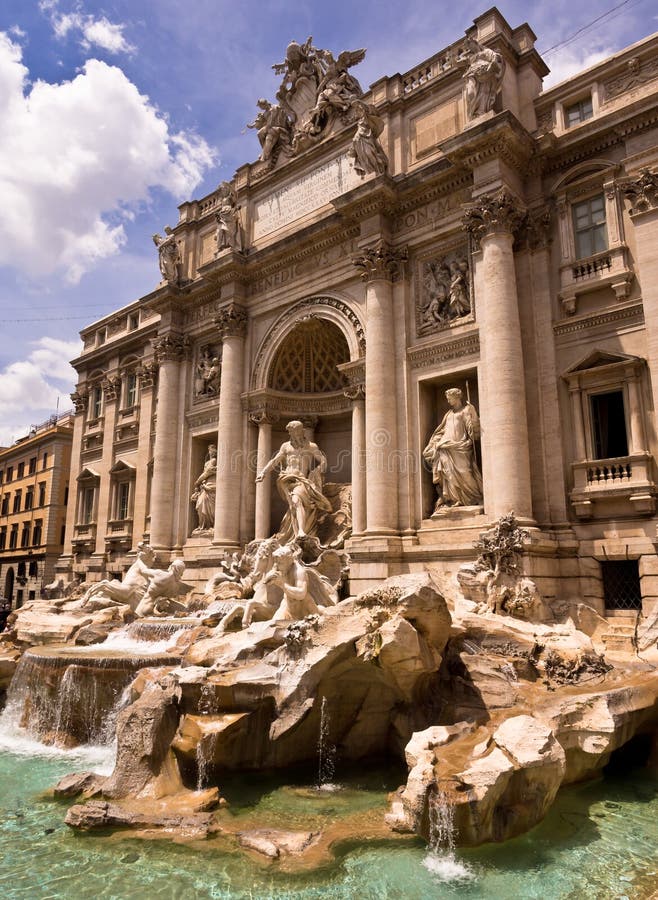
(631, 313)
(436, 352)
(501, 136)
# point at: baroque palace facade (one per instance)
(452, 227)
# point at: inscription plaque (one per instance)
(304, 195)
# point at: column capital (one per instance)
(111, 385)
(535, 229)
(147, 374)
(231, 321)
(642, 191)
(355, 391)
(80, 400)
(491, 214)
(170, 347)
(264, 416)
(381, 262)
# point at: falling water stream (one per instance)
(326, 751)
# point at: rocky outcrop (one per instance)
(100, 814)
(54, 622)
(274, 843)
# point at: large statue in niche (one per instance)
(169, 258)
(482, 79)
(299, 483)
(445, 295)
(450, 452)
(205, 488)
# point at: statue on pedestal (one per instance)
(274, 130)
(205, 488)
(450, 452)
(299, 483)
(482, 79)
(229, 228)
(169, 258)
(366, 151)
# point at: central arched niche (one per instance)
(305, 365)
(306, 361)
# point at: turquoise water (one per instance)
(598, 842)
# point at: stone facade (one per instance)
(34, 489)
(507, 249)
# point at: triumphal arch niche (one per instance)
(305, 369)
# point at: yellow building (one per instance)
(34, 487)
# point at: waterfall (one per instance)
(205, 754)
(441, 860)
(326, 750)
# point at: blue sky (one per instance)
(113, 113)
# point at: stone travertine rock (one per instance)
(274, 843)
(87, 783)
(100, 814)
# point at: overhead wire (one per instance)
(572, 37)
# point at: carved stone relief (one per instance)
(207, 372)
(444, 292)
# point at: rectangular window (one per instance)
(17, 501)
(621, 584)
(130, 390)
(609, 425)
(44, 461)
(33, 569)
(3, 537)
(31, 595)
(21, 470)
(578, 112)
(29, 498)
(42, 493)
(62, 534)
(66, 495)
(36, 532)
(5, 505)
(10, 473)
(123, 496)
(88, 505)
(33, 465)
(133, 321)
(25, 535)
(96, 403)
(2, 475)
(19, 598)
(589, 227)
(13, 536)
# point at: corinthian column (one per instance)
(232, 324)
(379, 267)
(264, 420)
(169, 351)
(356, 393)
(492, 221)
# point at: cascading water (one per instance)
(326, 751)
(205, 753)
(441, 860)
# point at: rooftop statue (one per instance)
(316, 87)
(229, 232)
(482, 79)
(367, 152)
(299, 483)
(274, 130)
(169, 258)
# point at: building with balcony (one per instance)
(34, 489)
(441, 231)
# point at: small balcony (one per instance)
(84, 536)
(606, 269)
(623, 485)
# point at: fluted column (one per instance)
(642, 192)
(169, 351)
(264, 420)
(492, 221)
(147, 374)
(232, 324)
(379, 267)
(356, 393)
(80, 400)
(111, 385)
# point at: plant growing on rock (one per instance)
(499, 548)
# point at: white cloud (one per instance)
(30, 388)
(92, 32)
(77, 159)
(571, 60)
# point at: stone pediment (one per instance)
(597, 358)
(122, 466)
(88, 474)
